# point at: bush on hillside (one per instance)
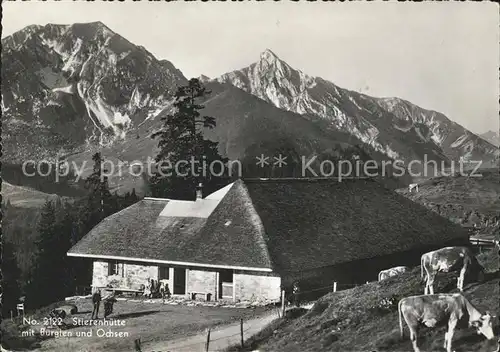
(11, 337)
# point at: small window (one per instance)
(163, 273)
(226, 276)
(115, 268)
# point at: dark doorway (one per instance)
(179, 281)
(226, 284)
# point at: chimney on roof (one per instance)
(199, 192)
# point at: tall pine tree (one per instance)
(185, 156)
(98, 201)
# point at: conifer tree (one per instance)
(184, 153)
(98, 200)
(51, 264)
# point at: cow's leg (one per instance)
(426, 289)
(452, 323)
(413, 338)
(461, 278)
(430, 281)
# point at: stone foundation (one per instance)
(256, 286)
(247, 286)
(133, 275)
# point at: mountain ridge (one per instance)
(60, 80)
(75, 89)
(491, 137)
(275, 81)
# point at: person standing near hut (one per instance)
(109, 301)
(147, 290)
(164, 291)
(96, 302)
(155, 288)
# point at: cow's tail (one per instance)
(422, 267)
(400, 315)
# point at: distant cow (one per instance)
(437, 310)
(384, 274)
(449, 259)
(413, 186)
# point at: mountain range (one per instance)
(492, 137)
(70, 90)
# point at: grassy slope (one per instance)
(357, 320)
(465, 200)
(25, 197)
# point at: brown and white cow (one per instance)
(437, 310)
(384, 274)
(446, 260)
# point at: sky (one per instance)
(442, 56)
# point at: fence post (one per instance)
(283, 303)
(137, 344)
(208, 340)
(241, 329)
(335, 286)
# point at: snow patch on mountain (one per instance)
(438, 140)
(459, 141)
(354, 102)
(401, 128)
(420, 135)
(68, 89)
(72, 60)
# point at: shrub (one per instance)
(319, 307)
(12, 339)
(329, 339)
(295, 313)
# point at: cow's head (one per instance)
(484, 326)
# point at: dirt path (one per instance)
(219, 338)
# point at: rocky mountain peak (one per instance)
(381, 123)
(268, 55)
(204, 79)
(492, 137)
(81, 83)
(270, 65)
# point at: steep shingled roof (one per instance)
(284, 225)
(139, 232)
(154, 230)
(311, 224)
